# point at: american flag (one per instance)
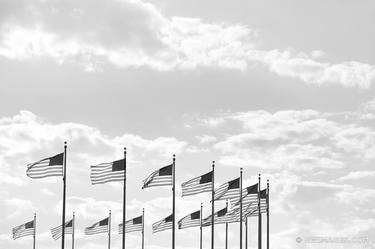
(133, 225)
(228, 190)
(52, 166)
(190, 220)
(162, 225)
(250, 209)
(198, 185)
(108, 172)
(160, 177)
(26, 229)
(249, 195)
(253, 201)
(98, 227)
(221, 217)
(57, 231)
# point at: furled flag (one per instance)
(190, 220)
(57, 231)
(52, 166)
(198, 185)
(26, 229)
(107, 172)
(160, 177)
(228, 190)
(162, 225)
(220, 217)
(98, 227)
(132, 225)
(249, 195)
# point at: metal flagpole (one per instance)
(240, 208)
(34, 235)
(246, 232)
(73, 228)
(226, 229)
(124, 203)
(268, 214)
(64, 197)
(259, 218)
(174, 200)
(143, 228)
(213, 206)
(109, 230)
(200, 227)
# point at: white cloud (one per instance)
(136, 34)
(295, 140)
(357, 175)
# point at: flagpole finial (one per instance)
(241, 169)
(65, 142)
(125, 150)
(213, 164)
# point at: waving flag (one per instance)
(160, 177)
(57, 231)
(229, 190)
(249, 195)
(98, 227)
(198, 185)
(162, 225)
(26, 229)
(221, 217)
(190, 220)
(108, 172)
(52, 166)
(132, 225)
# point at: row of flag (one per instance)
(245, 202)
(136, 224)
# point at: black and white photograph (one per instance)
(187, 124)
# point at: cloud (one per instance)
(32, 137)
(134, 33)
(296, 140)
(357, 175)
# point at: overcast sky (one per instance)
(282, 88)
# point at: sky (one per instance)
(281, 88)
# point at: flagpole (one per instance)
(246, 233)
(34, 235)
(124, 203)
(259, 218)
(268, 214)
(226, 229)
(213, 206)
(64, 197)
(109, 230)
(143, 228)
(174, 200)
(73, 226)
(240, 208)
(200, 227)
